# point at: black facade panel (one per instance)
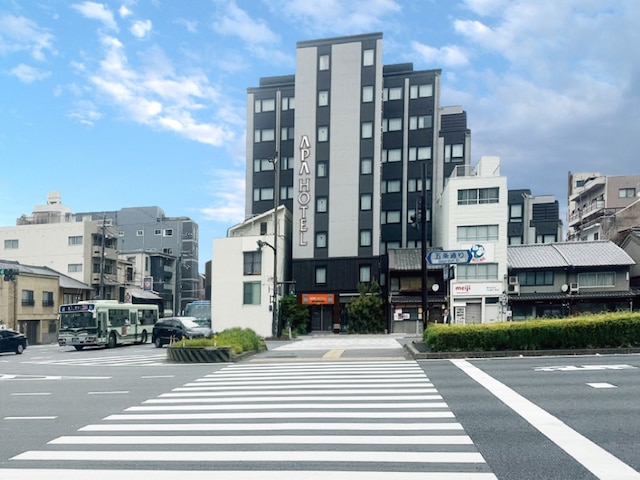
(391, 201)
(454, 122)
(548, 227)
(392, 171)
(514, 229)
(342, 274)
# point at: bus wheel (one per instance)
(112, 341)
(144, 337)
(78, 347)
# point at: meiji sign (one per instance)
(476, 289)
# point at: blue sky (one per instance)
(143, 102)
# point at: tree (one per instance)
(295, 315)
(366, 314)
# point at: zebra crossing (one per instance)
(351, 420)
(139, 360)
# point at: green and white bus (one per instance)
(94, 323)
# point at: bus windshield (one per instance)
(201, 311)
(77, 320)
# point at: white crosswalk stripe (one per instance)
(368, 420)
(146, 359)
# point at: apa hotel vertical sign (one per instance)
(304, 189)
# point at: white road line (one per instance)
(312, 381)
(269, 386)
(265, 440)
(601, 385)
(67, 474)
(28, 394)
(333, 456)
(301, 392)
(217, 427)
(43, 417)
(288, 415)
(290, 406)
(598, 461)
(114, 392)
(311, 376)
(157, 376)
(290, 398)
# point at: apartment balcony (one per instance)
(593, 210)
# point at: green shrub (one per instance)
(238, 339)
(607, 330)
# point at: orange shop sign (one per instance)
(317, 298)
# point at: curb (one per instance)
(420, 353)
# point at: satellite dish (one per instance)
(564, 287)
(435, 287)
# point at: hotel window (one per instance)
(515, 212)
(626, 192)
(321, 275)
(365, 201)
(262, 194)
(366, 166)
(266, 135)
(415, 184)
(252, 262)
(286, 133)
(365, 273)
(321, 169)
(323, 134)
(288, 103)
(11, 244)
(286, 163)
(390, 216)
(251, 293)
(391, 124)
(392, 93)
(422, 121)
(421, 91)
(286, 193)
(323, 62)
(476, 233)
(394, 155)
(321, 204)
(419, 153)
(323, 98)
(367, 130)
(391, 186)
(75, 240)
(453, 152)
(367, 94)
(263, 165)
(367, 57)
(365, 238)
(321, 240)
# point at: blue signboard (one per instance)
(448, 257)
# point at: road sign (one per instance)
(448, 257)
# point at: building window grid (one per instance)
(47, 299)
(75, 240)
(596, 279)
(321, 239)
(366, 201)
(321, 275)
(535, 278)
(419, 153)
(366, 166)
(421, 91)
(28, 299)
(252, 263)
(477, 271)
(365, 238)
(477, 233)
(365, 274)
(475, 196)
(626, 193)
(420, 122)
(251, 293)
(392, 155)
(368, 57)
(367, 94)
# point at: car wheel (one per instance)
(158, 342)
(144, 337)
(19, 349)
(78, 347)
(112, 341)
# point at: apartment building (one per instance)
(348, 145)
(533, 218)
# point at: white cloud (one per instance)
(232, 20)
(97, 11)
(447, 56)
(29, 74)
(22, 34)
(140, 28)
(228, 187)
(344, 17)
(124, 11)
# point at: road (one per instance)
(334, 406)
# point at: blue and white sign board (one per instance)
(448, 257)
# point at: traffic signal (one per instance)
(9, 274)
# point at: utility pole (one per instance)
(101, 289)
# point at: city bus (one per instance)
(107, 323)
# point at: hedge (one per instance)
(607, 330)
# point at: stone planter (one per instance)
(200, 354)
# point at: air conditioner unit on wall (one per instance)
(573, 287)
(514, 288)
(513, 280)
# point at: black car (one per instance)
(12, 341)
(174, 328)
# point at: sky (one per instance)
(136, 103)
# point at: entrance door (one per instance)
(321, 318)
(31, 328)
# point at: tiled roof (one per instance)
(568, 254)
(409, 259)
(64, 280)
(527, 297)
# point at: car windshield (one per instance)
(190, 323)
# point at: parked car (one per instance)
(12, 341)
(176, 328)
